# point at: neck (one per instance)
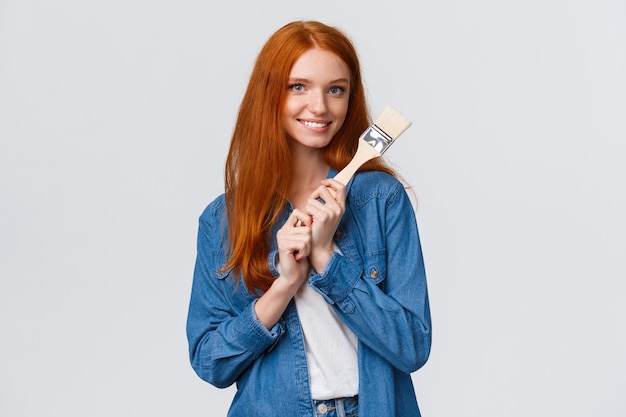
(308, 171)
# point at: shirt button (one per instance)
(322, 408)
(338, 234)
(374, 273)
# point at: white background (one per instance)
(115, 119)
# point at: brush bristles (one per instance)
(392, 123)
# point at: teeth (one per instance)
(314, 124)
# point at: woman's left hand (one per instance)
(325, 219)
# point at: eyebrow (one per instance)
(305, 80)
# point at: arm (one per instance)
(224, 335)
(384, 300)
(227, 329)
(326, 206)
(294, 247)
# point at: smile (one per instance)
(317, 125)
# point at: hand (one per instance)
(294, 247)
(325, 217)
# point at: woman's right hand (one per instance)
(294, 247)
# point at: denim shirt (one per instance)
(376, 284)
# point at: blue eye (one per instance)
(296, 87)
(336, 90)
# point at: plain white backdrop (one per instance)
(115, 119)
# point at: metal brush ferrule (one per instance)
(378, 139)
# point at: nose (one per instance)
(317, 104)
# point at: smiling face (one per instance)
(317, 98)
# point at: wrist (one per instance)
(320, 258)
(285, 287)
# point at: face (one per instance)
(317, 98)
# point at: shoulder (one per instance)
(213, 216)
(374, 185)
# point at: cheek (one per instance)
(286, 108)
(341, 110)
(293, 104)
(288, 112)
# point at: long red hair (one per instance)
(258, 167)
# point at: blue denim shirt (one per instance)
(377, 286)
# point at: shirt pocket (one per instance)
(376, 266)
(235, 292)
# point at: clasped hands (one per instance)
(306, 240)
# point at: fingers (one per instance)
(298, 245)
(331, 191)
(336, 189)
(298, 218)
(327, 201)
(295, 236)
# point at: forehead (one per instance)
(319, 63)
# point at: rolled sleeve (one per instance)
(257, 337)
(337, 281)
(272, 261)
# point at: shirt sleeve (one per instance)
(223, 332)
(383, 298)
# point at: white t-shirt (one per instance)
(331, 347)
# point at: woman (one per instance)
(313, 304)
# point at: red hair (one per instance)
(258, 167)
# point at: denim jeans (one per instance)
(341, 407)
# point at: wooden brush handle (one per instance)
(364, 153)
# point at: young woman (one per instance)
(313, 304)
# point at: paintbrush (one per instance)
(375, 141)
